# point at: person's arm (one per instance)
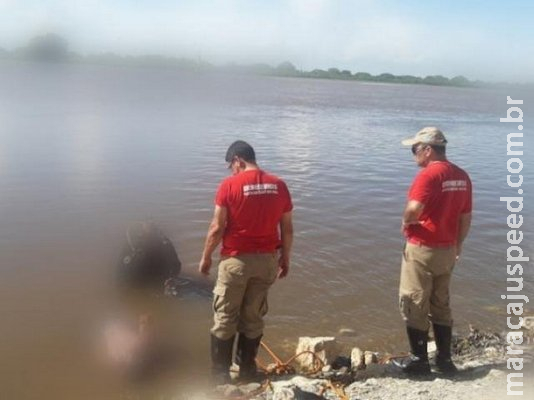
(463, 229)
(286, 235)
(412, 212)
(213, 238)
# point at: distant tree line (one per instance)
(289, 70)
(52, 48)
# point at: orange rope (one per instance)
(338, 390)
(386, 359)
(284, 368)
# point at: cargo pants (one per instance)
(424, 285)
(240, 294)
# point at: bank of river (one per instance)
(480, 357)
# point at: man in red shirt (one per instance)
(436, 221)
(253, 219)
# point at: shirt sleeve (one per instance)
(422, 188)
(286, 196)
(221, 197)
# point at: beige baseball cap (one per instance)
(428, 135)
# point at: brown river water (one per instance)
(85, 150)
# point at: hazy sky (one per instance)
(491, 40)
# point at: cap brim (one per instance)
(410, 142)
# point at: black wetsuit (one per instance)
(148, 264)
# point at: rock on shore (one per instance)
(480, 357)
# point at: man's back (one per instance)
(255, 202)
(445, 190)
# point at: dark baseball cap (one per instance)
(242, 150)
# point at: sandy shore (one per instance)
(480, 357)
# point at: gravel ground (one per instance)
(481, 360)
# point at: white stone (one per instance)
(284, 394)
(234, 371)
(431, 347)
(370, 358)
(249, 388)
(325, 348)
(357, 359)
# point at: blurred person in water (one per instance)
(253, 219)
(134, 342)
(436, 220)
(131, 348)
(148, 259)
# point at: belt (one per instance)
(439, 245)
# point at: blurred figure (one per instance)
(148, 259)
(148, 267)
(131, 348)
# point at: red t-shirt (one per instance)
(255, 202)
(445, 190)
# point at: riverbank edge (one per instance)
(481, 358)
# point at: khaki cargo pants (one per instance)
(424, 285)
(240, 294)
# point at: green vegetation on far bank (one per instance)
(289, 70)
(52, 48)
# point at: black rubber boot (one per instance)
(443, 336)
(221, 359)
(417, 363)
(247, 350)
